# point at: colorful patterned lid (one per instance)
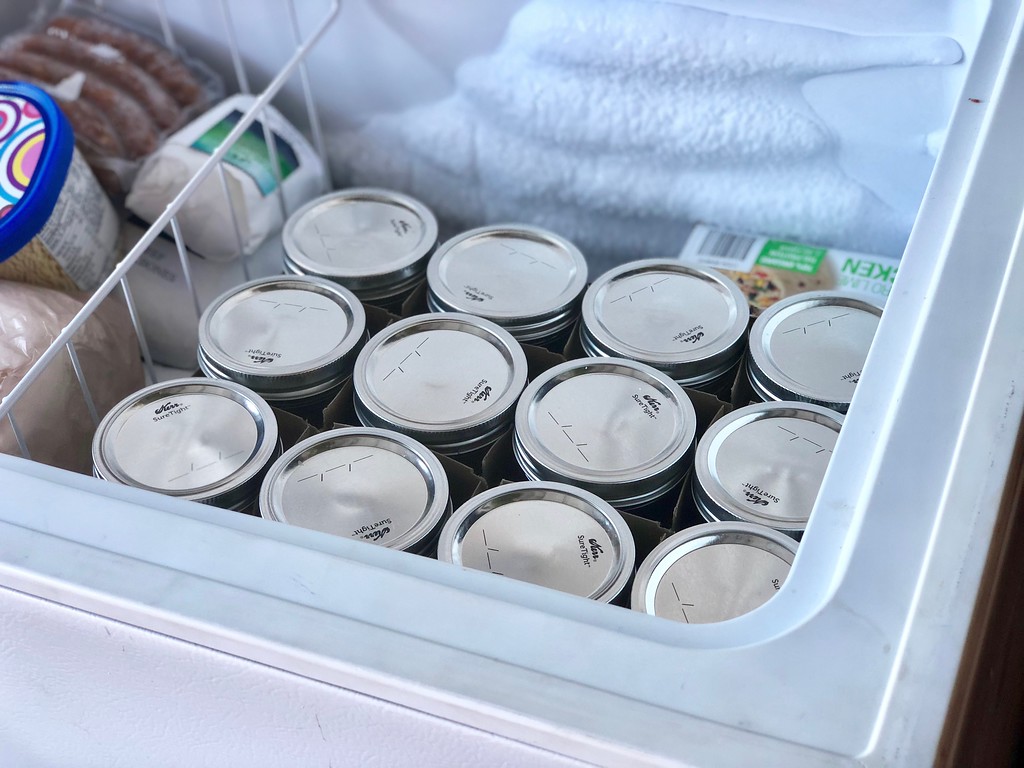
(36, 146)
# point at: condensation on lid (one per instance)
(281, 334)
(764, 463)
(443, 378)
(365, 238)
(616, 427)
(199, 439)
(688, 322)
(713, 572)
(812, 347)
(370, 484)
(549, 534)
(511, 274)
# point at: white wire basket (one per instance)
(295, 67)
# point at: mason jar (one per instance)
(374, 485)
(617, 428)
(198, 439)
(375, 242)
(549, 534)
(525, 279)
(764, 464)
(448, 380)
(687, 322)
(293, 340)
(712, 572)
(812, 347)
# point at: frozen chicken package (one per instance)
(249, 173)
(768, 269)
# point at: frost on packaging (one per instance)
(249, 175)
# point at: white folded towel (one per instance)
(619, 124)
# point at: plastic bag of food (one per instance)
(122, 90)
(53, 416)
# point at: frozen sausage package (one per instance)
(121, 89)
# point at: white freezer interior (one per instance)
(242, 640)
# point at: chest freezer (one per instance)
(141, 629)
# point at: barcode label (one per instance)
(722, 245)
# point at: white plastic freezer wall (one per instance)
(141, 630)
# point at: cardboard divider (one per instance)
(416, 302)
(646, 535)
(291, 428)
(378, 319)
(742, 393)
(463, 482)
(539, 360)
(573, 349)
(342, 409)
(686, 515)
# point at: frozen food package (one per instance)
(769, 269)
(120, 88)
(57, 227)
(167, 312)
(250, 176)
(53, 416)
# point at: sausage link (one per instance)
(160, 63)
(134, 125)
(93, 131)
(113, 68)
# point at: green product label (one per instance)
(792, 256)
(250, 154)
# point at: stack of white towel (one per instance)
(620, 123)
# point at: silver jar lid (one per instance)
(617, 428)
(690, 323)
(198, 439)
(550, 534)
(284, 337)
(712, 572)
(764, 464)
(373, 241)
(812, 347)
(370, 484)
(525, 279)
(448, 380)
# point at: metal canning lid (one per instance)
(764, 464)
(370, 484)
(550, 534)
(812, 347)
(690, 323)
(198, 439)
(285, 337)
(617, 428)
(712, 572)
(523, 278)
(449, 380)
(373, 241)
